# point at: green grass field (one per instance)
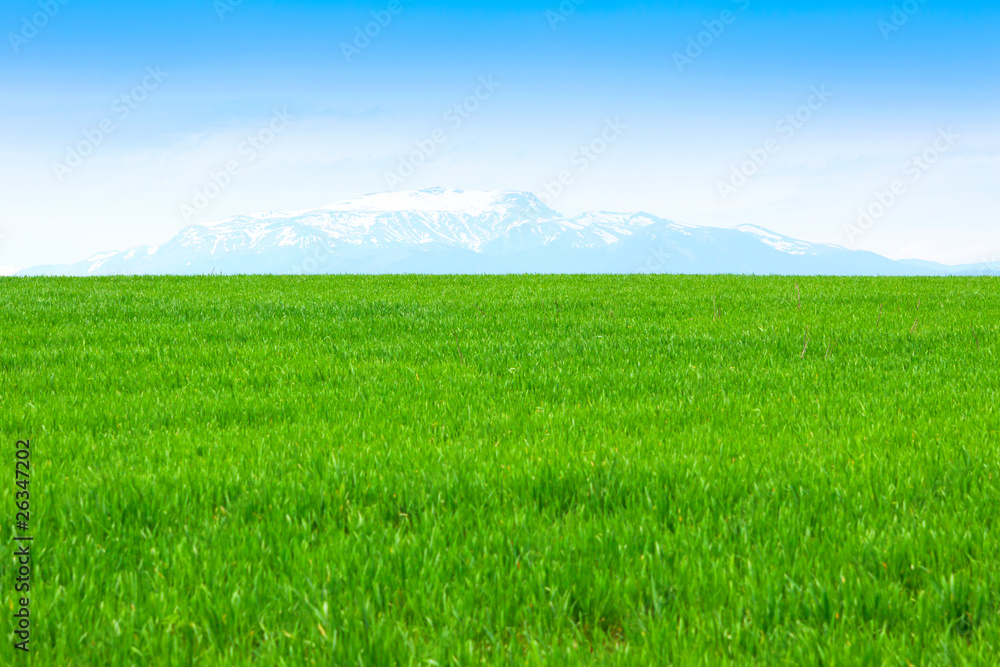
(505, 470)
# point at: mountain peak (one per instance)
(443, 230)
(445, 200)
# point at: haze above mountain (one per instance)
(441, 231)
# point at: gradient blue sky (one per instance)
(686, 130)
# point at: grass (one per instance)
(506, 470)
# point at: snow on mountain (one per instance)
(442, 200)
(439, 230)
(453, 218)
(777, 241)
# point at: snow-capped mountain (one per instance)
(454, 231)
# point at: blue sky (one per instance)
(267, 87)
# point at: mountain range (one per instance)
(438, 230)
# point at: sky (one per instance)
(872, 125)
